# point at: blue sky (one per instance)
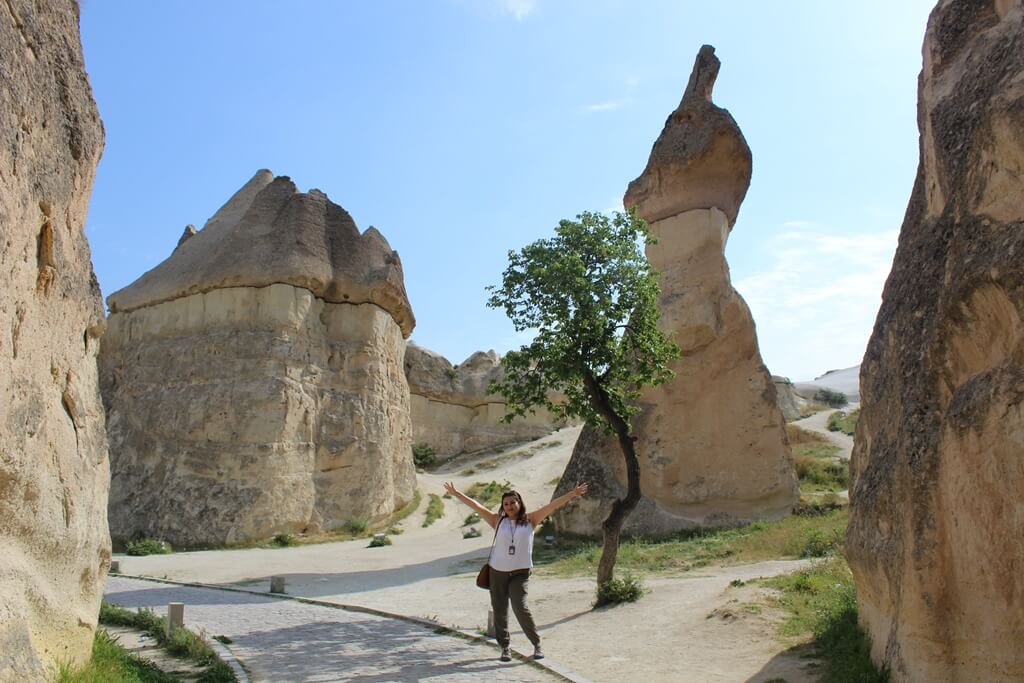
(465, 128)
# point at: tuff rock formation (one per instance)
(253, 381)
(712, 443)
(786, 397)
(54, 547)
(451, 409)
(936, 535)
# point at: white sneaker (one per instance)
(537, 652)
(506, 654)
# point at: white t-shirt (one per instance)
(512, 535)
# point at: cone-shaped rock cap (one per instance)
(269, 233)
(700, 160)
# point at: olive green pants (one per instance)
(511, 586)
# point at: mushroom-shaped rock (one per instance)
(253, 381)
(268, 233)
(700, 160)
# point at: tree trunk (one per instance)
(612, 525)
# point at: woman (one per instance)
(511, 559)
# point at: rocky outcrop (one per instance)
(53, 453)
(452, 412)
(253, 380)
(786, 398)
(936, 535)
(712, 442)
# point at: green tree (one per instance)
(592, 298)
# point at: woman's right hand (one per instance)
(450, 488)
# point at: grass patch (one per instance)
(147, 546)
(822, 602)
(471, 532)
(810, 408)
(488, 493)
(789, 538)
(435, 509)
(109, 663)
(799, 435)
(471, 518)
(358, 525)
(616, 591)
(181, 642)
(817, 474)
(284, 540)
(841, 421)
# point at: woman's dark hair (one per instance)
(522, 506)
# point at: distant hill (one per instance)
(846, 381)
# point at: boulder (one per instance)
(53, 451)
(253, 381)
(936, 535)
(712, 443)
(452, 412)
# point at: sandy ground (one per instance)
(694, 627)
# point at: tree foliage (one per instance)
(591, 296)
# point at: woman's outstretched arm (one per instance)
(488, 516)
(540, 514)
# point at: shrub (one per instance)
(799, 435)
(489, 493)
(822, 544)
(358, 524)
(435, 509)
(818, 506)
(471, 532)
(283, 540)
(147, 546)
(833, 399)
(471, 518)
(615, 591)
(423, 455)
(379, 541)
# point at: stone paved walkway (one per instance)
(284, 640)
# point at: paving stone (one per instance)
(284, 640)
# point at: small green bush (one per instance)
(471, 532)
(822, 544)
(283, 540)
(379, 541)
(833, 399)
(841, 421)
(471, 518)
(489, 493)
(423, 455)
(822, 473)
(818, 506)
(435, 509)
(147, 546)
(358, 525)
(615, 591)
(110, 662)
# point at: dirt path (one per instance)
(818, 423)
(695, 627)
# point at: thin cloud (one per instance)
(798, 224)
(603, 106)
(815, 299)
(517, 9)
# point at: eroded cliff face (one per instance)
(254, 380)
(712, 442)
(53, 452)
(452, 412)
(936, 536)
